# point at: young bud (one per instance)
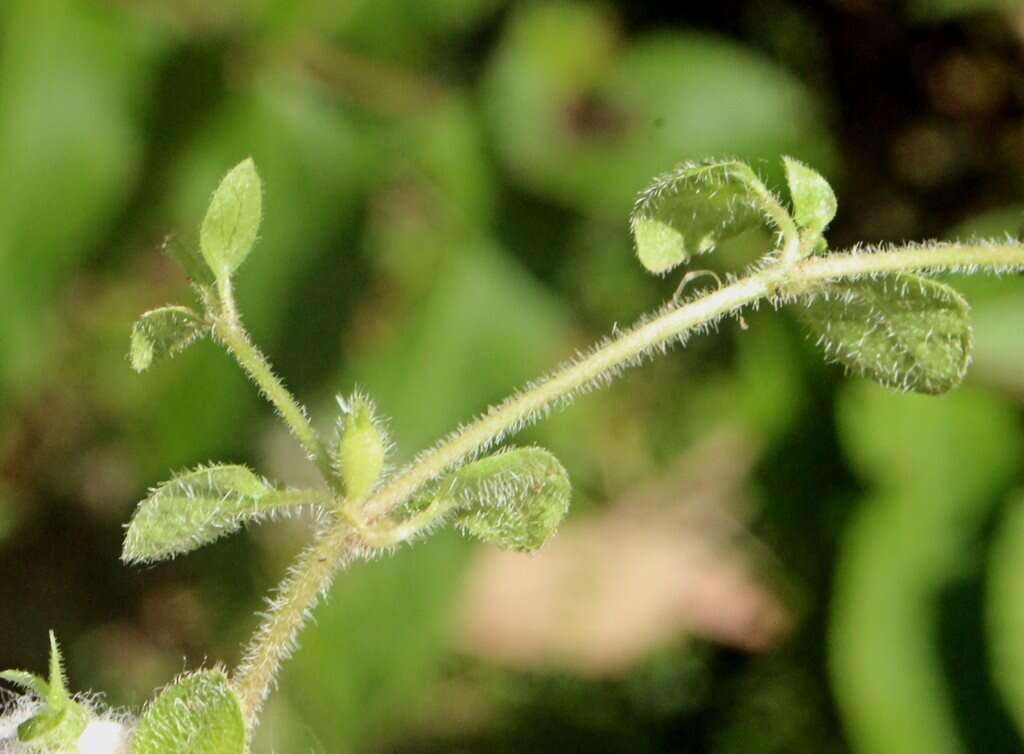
(362, 447)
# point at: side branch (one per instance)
(675, 324)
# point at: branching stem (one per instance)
(783, 280)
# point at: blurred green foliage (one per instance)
(446, 192)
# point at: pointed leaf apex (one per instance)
(58, 689)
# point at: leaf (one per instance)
(692, 208)
(513, 499)
(200, 506)
(163, 333)
(362, 447)
(232, 220)
(198, 714)
(814, 202)
(26, 680)
(49, 728)
(903, 331)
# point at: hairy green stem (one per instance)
(228, 328)
(624, 350)
(779, 282)
(307, 580)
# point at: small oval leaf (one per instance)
(903, 331)
(163, 333)
(200, 506)
(695, 206)
(232, 221)
(513, 499)
(362, 447)
(198, 714)
(814, 202)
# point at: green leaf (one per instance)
(814, 202)
(163, 333)
(692, 208)
(26, 680)
(362, 447)
(46, 729)
(232, 220)
(514, 499)
(198, 714)
(200, 506)
(903, 331)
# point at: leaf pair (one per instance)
(226, 237)
(901, 330)
(61, 721)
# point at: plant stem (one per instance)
(779, 283)
(228, 327)
(674, 323)
(307, 580)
